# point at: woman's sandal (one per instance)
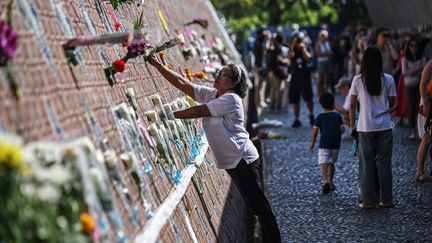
(386, 205)
(422, 178)
(366, 205)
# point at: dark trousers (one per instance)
(375, 159)
(413, 100)
(248, 181)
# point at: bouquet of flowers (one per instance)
(139, 46)
(177, 40)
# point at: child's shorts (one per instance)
(327, 155)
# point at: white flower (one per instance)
(190, 101)
(179, 39)
(174, 106)
(87, 143)
(169, 112)
(156, 99)
(180, 104)
(128, 159)
(151, 116)
(153, 130)
(123, 110)
(59, 175)
(48, 193)
(130, 92)
(96, 175)
(28, 189)
(55, 174)
(111, 158)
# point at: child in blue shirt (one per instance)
(331, 126)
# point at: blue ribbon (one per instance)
(148, 168)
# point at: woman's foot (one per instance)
(386, 205)
(326, 188)
(366, 205)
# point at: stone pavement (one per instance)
(305, 214)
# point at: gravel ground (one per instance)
(305, 214)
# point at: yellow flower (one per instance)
(199, 74)
(87, 223)
(11, 155)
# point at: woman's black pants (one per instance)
(248, 181)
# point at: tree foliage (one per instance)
(243, 15)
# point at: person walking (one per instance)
(412, 67)
(375, 92)
(330, 125)
(300, 85)
(222, 116)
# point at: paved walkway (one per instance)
(293, 183)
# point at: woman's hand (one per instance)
(354, 133)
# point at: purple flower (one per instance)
(8, 43)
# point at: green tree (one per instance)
(244, 15)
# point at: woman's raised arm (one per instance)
(174, 78)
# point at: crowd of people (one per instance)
(384, 77)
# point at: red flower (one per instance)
(119, 66)
(262, 134)
(117, 26)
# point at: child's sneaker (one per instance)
(326, 188)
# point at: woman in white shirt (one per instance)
(375, 92)
(412, 67)
(222, 116)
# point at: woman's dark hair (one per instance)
(418, 52)
(279, 39)
(372, 70)
(240, 85)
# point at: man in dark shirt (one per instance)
(300, 57)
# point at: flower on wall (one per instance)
(203, 22)
(117, 3)
(8, 43)
(8, 49)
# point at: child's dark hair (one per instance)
(326, 100)
(240, 85)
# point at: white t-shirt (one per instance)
(347, 102)
(374, 110)
(225, 130)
